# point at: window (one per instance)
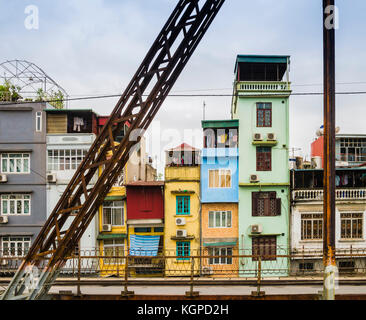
(352, 225)
(113, 213)
(224, 253)
(220, 178)
(15, 163)
(220, 138)
(265, 204)
(264, 247)
(183, 205)
(352, 150)
(112, 250)
(38, 121)
(183, 250)
(159, 229)
(219, 219)
(15, 204)
(346, 266)
(311, 226)
(66, 159)
(15, 246)
(264, 114)
(264, 159)
(306, 266)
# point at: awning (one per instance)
(112, 236)
(144, 245)
(228, 242)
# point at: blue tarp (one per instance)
(144, 245)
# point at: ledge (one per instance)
(265, 143)
(259, 184)
(182, 238)
(265, 234)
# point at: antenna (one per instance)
(204, 110)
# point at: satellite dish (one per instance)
(338, 129)
(318, 133)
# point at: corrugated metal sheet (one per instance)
(56, 123)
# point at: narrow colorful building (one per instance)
(219, 198)
(145, 220)
(182, 210)
(261, 104)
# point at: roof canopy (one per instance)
(184, 147)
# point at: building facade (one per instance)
(182, 210)
(261, 104)
(219, 198)
(350, 149)
(145, 219)
(70, 134)
(22, 172)
(307, 218)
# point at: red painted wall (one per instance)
(145, 202)
(317, 148)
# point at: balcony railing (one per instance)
(341, 194)
(265, 86)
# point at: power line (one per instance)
(185, 96)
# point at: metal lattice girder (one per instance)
(159, 70)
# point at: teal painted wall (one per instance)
(245, 111)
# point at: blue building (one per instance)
(219, 196)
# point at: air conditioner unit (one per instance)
(180, 221)
(107, 228)
(4, 262)
(181, 233)
(271, 137)
(3, 178)
(207, 270)
(254, 178)
(51, 178)
(3, 219)
(257, 137)
(256, 228)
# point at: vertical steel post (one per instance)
(329, 151)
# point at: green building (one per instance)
(261, 104)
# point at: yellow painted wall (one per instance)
(185, 180)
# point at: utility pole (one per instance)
(330, 267)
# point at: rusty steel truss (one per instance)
(158, 72)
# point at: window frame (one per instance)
(264, 247)
(316, 216)
(180, 245)
(59, 157)
(8, 201)
(260, 163)
(184, 211)
(39, 120)
(112, 216)
(221, 260)
(263, 111)
(10, 156)
(219, 178)
(25, 240)
(214, 213)
(268, 197)
(114, 246)
(351, 219)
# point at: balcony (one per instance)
(317, 195)
(276, 87)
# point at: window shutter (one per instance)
(278, 207)
(254, 204)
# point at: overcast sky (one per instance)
(93, 47)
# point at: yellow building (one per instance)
(182, 210)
